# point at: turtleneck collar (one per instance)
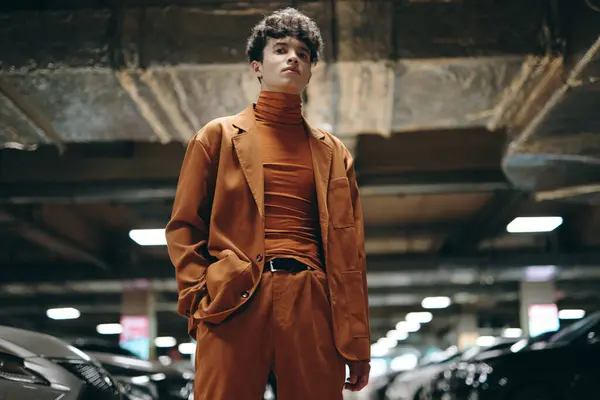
(278, 108)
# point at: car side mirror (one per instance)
(593, 338)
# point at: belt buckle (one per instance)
(272, 267)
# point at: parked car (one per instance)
(378, 386)
(450, 378)
(567, 367)
(37, 366)
(410, 384)
(157, 381)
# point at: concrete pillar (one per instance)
(538, 311)
(138, 317)
(466, 330)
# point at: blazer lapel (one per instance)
(322, 154)
(248, 151)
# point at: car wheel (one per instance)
(536, 393)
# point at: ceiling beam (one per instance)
(56, 243)
(33, 115)
(405, 264)
(490, 221)
(431, 182)
(164, 189)
(408, 230)
(379, 304)
(88, 192)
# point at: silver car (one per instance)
(36, 366)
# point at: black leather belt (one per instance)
(285, 264)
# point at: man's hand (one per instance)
(359, 375)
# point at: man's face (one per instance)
(286, 66)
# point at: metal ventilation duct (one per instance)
(557, 155)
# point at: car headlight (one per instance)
(13, 368)
(98, 381)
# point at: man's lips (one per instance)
(294, 70)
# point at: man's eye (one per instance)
(279, 51)
(304, 56)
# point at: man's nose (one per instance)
(293, 59)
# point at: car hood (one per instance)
(526, 357)
(422, 374)
(28, 344)
(137, 365)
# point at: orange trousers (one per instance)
(285, 328)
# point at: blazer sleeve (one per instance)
(358, 223)
(188, 229)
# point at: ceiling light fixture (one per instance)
(109, 329)
(571, 314)
(148, 237)
(187, 348)
(406, 326)
(378, 350)
(387, 342)
(165, 341)
(63, 313)
(419, 317)
(397, 335)
(436, 302)
(486, 341)
(533, 224)
(513, 333)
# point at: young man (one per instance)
(267, 238)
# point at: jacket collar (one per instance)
(246, 121)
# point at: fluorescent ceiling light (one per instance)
(404, 362)
(436, 302)
(534, 224)
(187, 348)
(486, 341)
(63, 313)
(571, 314)
(148, 237)
(397, 335)
(406, 326)
(540, 273)
(387, 342)
(420, 317)
(165, 341)
(109, 329)
(378, 350)
(513, 333)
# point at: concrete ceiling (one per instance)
(147, 72)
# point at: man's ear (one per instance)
(257, 68)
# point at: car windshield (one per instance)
(574, 331)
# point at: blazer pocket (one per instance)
(355, 298)
(341, 211)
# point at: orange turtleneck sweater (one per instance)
(291, 210)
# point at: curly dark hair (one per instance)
(287, 22)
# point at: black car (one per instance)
(170, 382)
(449, 379)
(567, 367)
(34, 365)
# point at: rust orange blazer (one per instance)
(216, 233)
